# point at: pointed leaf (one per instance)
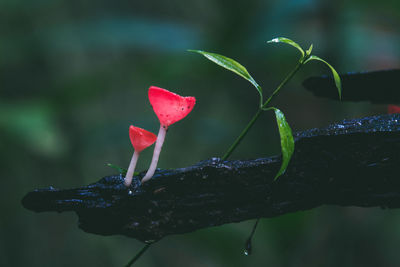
(119, 169)
(287, 141)
(308, 52)
(287, 41)
(336, 76)
(231, 65)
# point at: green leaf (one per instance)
(119, 169)
(287, 41)
(308, 52)
(287, 141)
(336, 76)
(231, 65)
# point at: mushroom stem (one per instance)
(156, 154)
(131, 169)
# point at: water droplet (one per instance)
(247, 247)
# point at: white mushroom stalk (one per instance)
(131, 169)
(157, 150)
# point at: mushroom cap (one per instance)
(170, 107)
(393, 109)
(141, 138)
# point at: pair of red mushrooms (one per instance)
(169, 108)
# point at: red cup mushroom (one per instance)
(392, 109)
(140, 140)
(169, 108)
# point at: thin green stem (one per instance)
(242, 135)
(283, 83)
(260, 110)
(138, 255)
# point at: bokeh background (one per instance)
(74, 75)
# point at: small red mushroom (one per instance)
(392, 109)
(140, 140)
(169, 108)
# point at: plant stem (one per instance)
(284, 82)
(242, 135)
(138, 255)
(260, 110)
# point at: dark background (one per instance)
(74, 75)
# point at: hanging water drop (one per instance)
(248, 246)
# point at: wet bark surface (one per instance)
(352, 163)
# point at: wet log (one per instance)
(352, 163)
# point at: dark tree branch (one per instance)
(378, 87)
(353, 163)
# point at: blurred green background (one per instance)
(74, 75)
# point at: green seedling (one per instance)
(285, 132)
